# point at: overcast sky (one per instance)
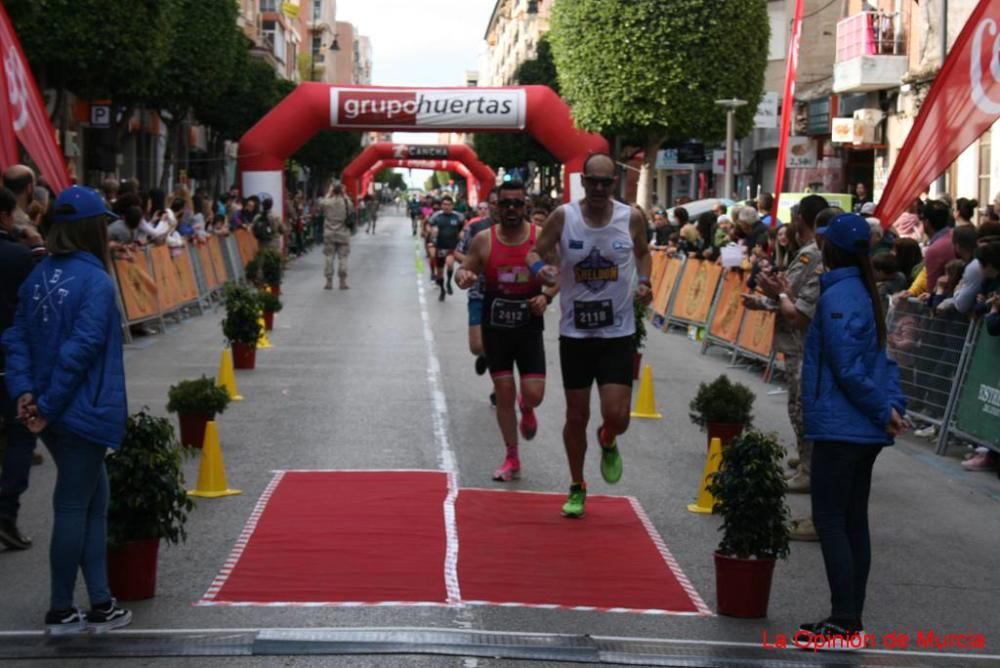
(420, 43)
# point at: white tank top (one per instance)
(596, 276)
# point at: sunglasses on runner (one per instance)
(605, 181)
(510, 203)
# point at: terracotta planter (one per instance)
(193, 428)
(742, 586)
(132, 569)
(724, 431)
(268, 320)
(275, 289)
(636, 365)
(244, 355)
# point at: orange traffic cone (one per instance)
(706, 502)
(227, 376)
(645, 406)
(212, 481)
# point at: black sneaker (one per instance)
(827, 635)
(481, 365)
(65, 622)
(107, 617)
(449, 288)
(11, 536)
(441, 296)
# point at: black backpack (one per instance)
(262, 228)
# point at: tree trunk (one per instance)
(644, 196)
(173, 130)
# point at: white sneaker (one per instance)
(930, 431)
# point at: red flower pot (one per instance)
(132, 569)
(724, 431)
(193, 428)
(636, 365)
(244, 355)
(742, 586)
(268, 320)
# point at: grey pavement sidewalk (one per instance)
(345, 387)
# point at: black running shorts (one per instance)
(505, 348)
(608, 361)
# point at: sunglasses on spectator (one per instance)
(510, 203)
(605, 181)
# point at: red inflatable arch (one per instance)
(477, 191)
(314, 107)
(460, 153)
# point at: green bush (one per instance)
(270, 266)
(241, 323)
(201, 395)
(722, 401)
(148, 499)
(749, 491)
(252, 271)
(269, 302)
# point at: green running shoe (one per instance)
(611, 460)
(574, 504)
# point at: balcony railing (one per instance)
(870, 34)
(270, 6)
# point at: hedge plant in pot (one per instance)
(148, 504)
(749, 491)
(270, 269)
(269, 304)
(252, 271)
(196, 402)
(723, 408)
(639, 338)
(241, 326)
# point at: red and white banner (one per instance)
(458, 108)
(962, 104)
(787, 104)
(23, 115)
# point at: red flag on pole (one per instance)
(787, 103)
(962, 104)
(22, 112)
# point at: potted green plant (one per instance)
(147, 504)
(270, 269)
(252, 271)
(639, 338)
(269, 304)
(241, 326)
(196, 402)
(749, 492)
(723, 408)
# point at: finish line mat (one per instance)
(352, 538)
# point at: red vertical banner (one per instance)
(23, 113)
(963, 103)
(787, 103)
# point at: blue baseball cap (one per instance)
(848, 231)
(79, 203)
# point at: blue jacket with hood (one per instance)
(849, 385)
(65, 348)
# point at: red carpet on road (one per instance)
(379, 537)
(515, 547)
(343, 536)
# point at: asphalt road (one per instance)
(349, 384)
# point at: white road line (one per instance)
(446, 456)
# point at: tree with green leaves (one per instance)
(392, 179)
(326, 154)
(651, 71)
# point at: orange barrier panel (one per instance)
(659, 266)
(663, 289)
(187, 285)
(696, 291)
(207, 270)
(247, 244)
(138, 290)
(218, 261)
(758, 332)
(729, 310)
(166, 278)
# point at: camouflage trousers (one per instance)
(793, 373)
(333, 248)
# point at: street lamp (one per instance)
(731, 106)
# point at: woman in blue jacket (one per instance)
(65, 367)
(852, 407)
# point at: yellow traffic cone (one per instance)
(262, 341)
(227, 376)
(706, 502)
(645, 407)
(212, 481)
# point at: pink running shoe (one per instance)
(981, 461)
(529, 423)
(509, 470)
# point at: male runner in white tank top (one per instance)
(603, 253)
